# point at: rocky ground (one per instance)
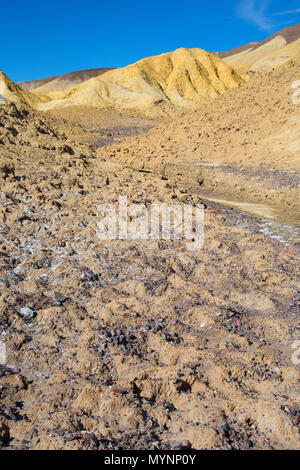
(134, 344)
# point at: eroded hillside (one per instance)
(246, 143)
(264, 56)
(157, 86)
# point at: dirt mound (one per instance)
(56, 86)
(161, 85)
(255, 125)
(270, 53)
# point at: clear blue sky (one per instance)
(44, 38)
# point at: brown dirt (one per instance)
(151, 346)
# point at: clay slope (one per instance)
(56, 86)
(165, 84)
(246, 143)
(272, 52)
(10, 92)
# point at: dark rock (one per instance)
(59, 298)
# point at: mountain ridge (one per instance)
(158, 85)
(54, 86)
(267, 54)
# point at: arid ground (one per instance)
(144, 344)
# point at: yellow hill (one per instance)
(165, 84)
(54, 87)
(271, 53)
(277, 58)
(245, 60)
(266, 57)
(10, 92)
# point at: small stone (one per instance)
(4, 432)
(72, 438)
(296, 420)
(7, 170)
(30, 434)
(118, 391)
(225, 429)
(59, 298)
(27, 312)
(185, 444)
(67, 149)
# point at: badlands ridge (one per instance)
(161, 85)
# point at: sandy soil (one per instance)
(134, 344)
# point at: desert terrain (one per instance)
(266, 55)
(143, 344)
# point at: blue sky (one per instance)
(41, 38)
